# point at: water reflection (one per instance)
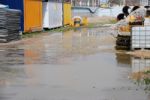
(141, 72)
(123, 60)
(54, 66)
(9, 60)
(57, 48)
(140, 65)
(54, 49)
(62, 48)
(10, 57)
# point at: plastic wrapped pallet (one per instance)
(9, 24)
(141, 37)
(3, 6)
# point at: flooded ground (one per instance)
(76, 65)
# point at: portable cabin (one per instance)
(67, 12)
(52, 13)
(31, 19)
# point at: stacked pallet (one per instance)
(123, 42)
(9, 24)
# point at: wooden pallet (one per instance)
(123, 42)
(122, 47)
(140, 48)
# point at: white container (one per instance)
(52, 14)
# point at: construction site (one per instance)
(74, 49)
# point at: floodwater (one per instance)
(75, 65)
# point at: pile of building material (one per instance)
(9, 24)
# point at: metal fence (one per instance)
(87, 3)
(145, 2)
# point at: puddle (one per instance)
(55, 48)
(141, 72)
(76, 65)
(123, 60)
(140, 69)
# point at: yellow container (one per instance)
(67, 13)
(85, 21)
(32, 15)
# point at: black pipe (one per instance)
(120, 16)
(125, 10)
(135, 8)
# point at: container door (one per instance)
(33, 15)
(55, 14)
(46, 23)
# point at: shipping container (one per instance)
(67, 13)
(52, 14)
(33, 15)
(31, 19)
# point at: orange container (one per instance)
(32, 15)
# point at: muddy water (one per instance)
(76, 65)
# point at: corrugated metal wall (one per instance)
(32, 15)
(15, 4)
(52, 14)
